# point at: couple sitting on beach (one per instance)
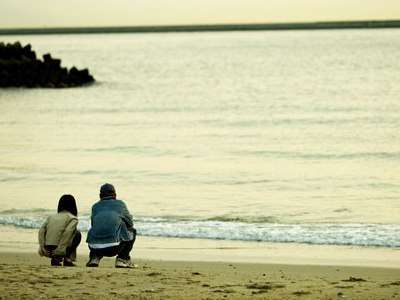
(111, 233)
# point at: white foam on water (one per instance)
(374, 235)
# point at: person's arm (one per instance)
(126, 216)
(42, 238)
(91, 218)
(66, 237)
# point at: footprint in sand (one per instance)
(152, 274)
(301, 293)
(262, 288)
(391, 283)
(196, 273)
(354, 279)
(344, 286)
(225, 291)
(265, 286)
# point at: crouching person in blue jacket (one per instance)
(112, 232)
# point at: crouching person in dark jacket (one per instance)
(112, 232)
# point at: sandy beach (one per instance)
(201, 269)
(25, 276)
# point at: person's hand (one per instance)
(49, 253)
(41, 251)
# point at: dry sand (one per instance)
(26, 276)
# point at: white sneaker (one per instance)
(124, 263)
(93, 262)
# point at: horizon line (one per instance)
(315, 25)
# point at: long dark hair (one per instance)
(67, 203)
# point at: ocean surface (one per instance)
(270, 136)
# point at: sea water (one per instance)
(278, 136)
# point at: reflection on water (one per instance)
(298, 126)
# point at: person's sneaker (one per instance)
(68, 263)
(124, 263)
(93, 262)
(56, 262)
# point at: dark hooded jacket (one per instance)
(111, 222)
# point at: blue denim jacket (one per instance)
(111, 222)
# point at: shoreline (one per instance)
(17, 240)
(364, 24)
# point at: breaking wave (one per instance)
(266, 229)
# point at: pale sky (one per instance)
(75, 13)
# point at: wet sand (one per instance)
(16, 240)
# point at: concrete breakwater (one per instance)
(20, 67)
(361, 24)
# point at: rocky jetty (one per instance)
(19, 67)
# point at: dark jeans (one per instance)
(71, 248)
(122, 250)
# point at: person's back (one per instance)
(56, 225)
(112, 232)
(110, 222)
(58, 236)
